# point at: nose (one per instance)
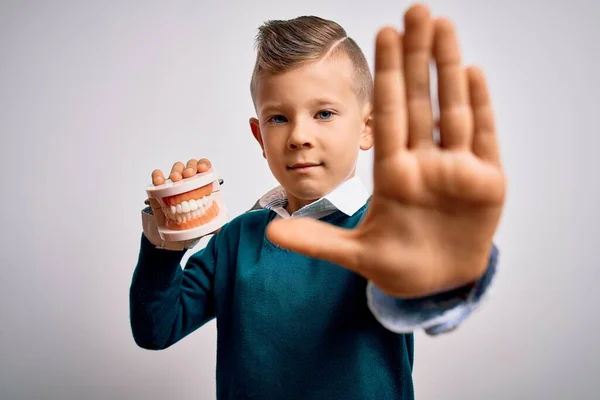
(299, 138)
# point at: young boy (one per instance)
(322, 307)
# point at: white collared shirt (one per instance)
(348, 198)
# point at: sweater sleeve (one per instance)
(435, 314)
(167, 302)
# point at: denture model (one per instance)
(193, 207)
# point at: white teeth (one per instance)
(188, 210)
(185, 206)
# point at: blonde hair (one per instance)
(284, 44)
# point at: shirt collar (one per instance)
(348, 198)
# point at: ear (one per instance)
(366, 136)
(255, 128)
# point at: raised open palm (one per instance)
(436, 204)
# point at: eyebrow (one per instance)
(324, 102)
(319, 102)
(270, 107)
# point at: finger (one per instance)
(154, 203)
(418, 42)
(316, 239)
(159, 216)
(436, 132)
(176, 171)
(157, 177)
(157, 211)
(455, 115)
(190, 168)
(203, 165)
(485, 143)
(389, 109)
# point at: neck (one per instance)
(294, 203)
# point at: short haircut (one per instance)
(284, 44)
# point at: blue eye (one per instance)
(325, 114)
(277, 119)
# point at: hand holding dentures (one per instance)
(187, 204)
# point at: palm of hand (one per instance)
(435, 206)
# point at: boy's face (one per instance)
(310, 127)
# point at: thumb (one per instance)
(157, 211)
(154, 204)
(317, 239)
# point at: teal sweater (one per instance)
(289, 326)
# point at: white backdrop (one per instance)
(96, 94)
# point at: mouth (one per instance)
(304, 167)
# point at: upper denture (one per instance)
(192, 194)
